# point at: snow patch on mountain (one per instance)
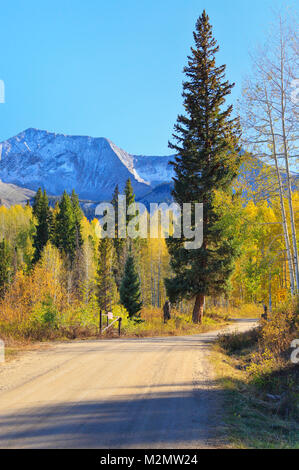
(156, 169)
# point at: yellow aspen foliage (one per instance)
(28, 290)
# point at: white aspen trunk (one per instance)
(280, 188)
(293, 228)
(286, 157)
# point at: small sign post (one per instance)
(109, 316)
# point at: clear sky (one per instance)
(113, 68)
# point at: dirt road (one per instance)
(127, 393)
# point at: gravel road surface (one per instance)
(126, 393)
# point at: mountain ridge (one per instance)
(90, 165)
(93, 166)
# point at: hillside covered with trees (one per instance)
(57, 271)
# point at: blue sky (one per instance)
(114, 68)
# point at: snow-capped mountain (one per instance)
(92, 166)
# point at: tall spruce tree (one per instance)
(65, 228)
(43, 215)
(114, 202)
(137, 242)
(119, 243)
(78, 215)
(36, 207)
(78, 256)
(208, 159)
(130, 294)
(5, 267)
(130, 198)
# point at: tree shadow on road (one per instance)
(159, 419)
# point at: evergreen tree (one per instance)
(129, 193)
(130, 295)
(78, 256)
(43, 215)
(5, 267)
(65, 237)
(105, 279)
(130, 198)
(136, 243)
(208, 159)
(114, 202)
(36, 207)
(119, 243)
(78, 215)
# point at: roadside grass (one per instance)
(152, 324)
(17, 347)
(46, 322)
(261, 399)
(79, 324)
(240, 311)
(20, 338)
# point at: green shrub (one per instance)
(46, 314)
(236, 342)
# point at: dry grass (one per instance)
(242, 311)
(19, 339)
(261, 384)
(152, 324)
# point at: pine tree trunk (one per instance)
(198, 308)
